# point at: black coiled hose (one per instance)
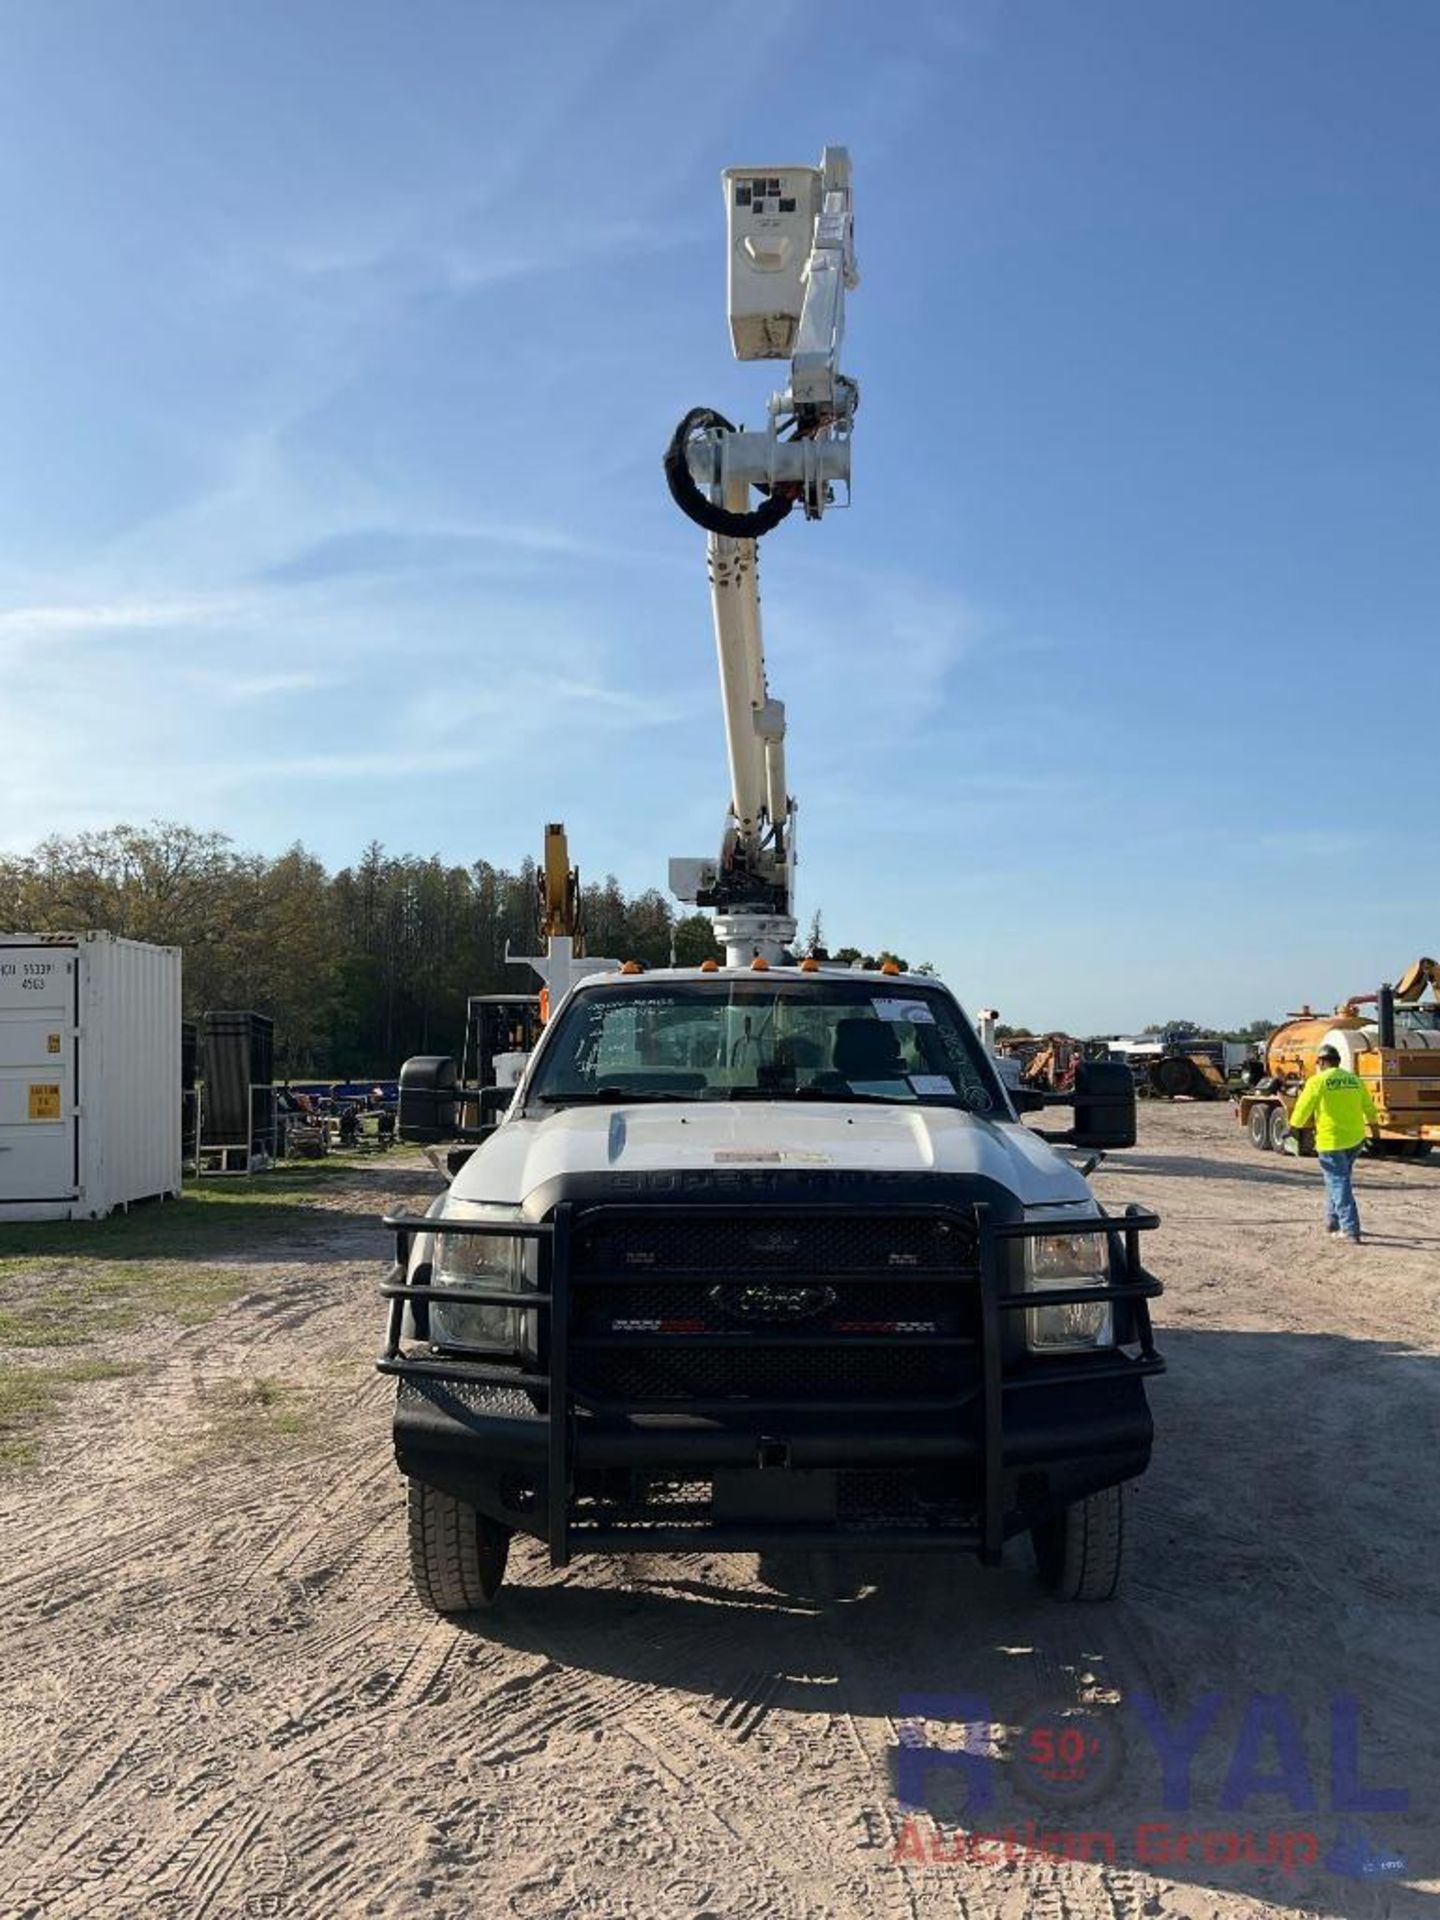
(695, 503)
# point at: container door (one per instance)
(38, 1020)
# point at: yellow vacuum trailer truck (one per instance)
(1395, 1051)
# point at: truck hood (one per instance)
(524, 1155)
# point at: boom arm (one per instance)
(791, 260)
(1416, 977)
(559, 887)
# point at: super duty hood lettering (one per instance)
(740, 1143)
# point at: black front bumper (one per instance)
(1014, 1437)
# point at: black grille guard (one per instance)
(552, 1298)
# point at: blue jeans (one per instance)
(1340, 1208)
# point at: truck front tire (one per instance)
(1079, 1551)
(457, 1556)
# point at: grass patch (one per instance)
(72, 1284)
(84, 1303)
(25, 1399)
(250, 1414)
(212, 1217)
(66, 1282)
(28, 1396)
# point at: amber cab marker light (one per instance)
(632, 966)
(759, 964)
(809, 966)
(709, 966)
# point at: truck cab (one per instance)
(765, 1257)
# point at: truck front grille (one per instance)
(786, 1304)
(758, 1373)
(675, 1243)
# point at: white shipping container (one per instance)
(89, 1074)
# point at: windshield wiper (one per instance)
(832, 1093)
(612, 1096)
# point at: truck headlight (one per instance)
(482, 1260)
(1064, 1261)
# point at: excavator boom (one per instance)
(1416, 977)
(560, 890)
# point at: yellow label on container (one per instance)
(45, 1102)
(52, 1043)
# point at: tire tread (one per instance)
(1082, 1558)
(457, 1556)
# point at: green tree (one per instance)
(695, 940)
(359, 968)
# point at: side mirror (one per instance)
(1028, 1100)
(1104, 1105)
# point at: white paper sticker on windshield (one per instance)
(915, 1011)
(932, 1083)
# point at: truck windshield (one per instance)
(816, 1038)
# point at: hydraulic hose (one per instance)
(695, 503)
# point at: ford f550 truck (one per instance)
(762, 1255)
(765, 1257)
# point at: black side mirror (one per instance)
(1028, 1100)
(1104, 1105)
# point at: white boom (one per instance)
(791, 259)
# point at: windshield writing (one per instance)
(839, 1039)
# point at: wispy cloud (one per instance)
(77, 619)
(442, 545)
(261, 686)
(527, 704)
(899, 636)
(474, 265)
(1314, 843)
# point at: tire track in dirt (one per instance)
(737, 1745)
(116, 1549)
(81, 1809)
(245, 1714)
(1056, 1656)
(109, 1772)
(206, 1839)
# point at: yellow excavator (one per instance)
(1395, 1051)
(501, 1028)
(559, 886)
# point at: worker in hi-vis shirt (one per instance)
(1338, 1105)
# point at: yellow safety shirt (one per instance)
(1339, 1104)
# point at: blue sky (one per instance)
(340, 342)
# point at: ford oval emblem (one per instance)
(762, 1304)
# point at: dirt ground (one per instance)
(221, 1698)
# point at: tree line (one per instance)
(358, 969)
(1257, 1030)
